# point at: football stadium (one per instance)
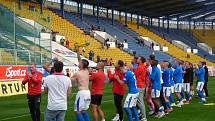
(107, 60)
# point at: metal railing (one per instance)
(22, 57)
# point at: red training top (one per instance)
(117, 87)
(98, 80)
(34, 83)
(140, 73)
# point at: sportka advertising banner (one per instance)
(12, 72)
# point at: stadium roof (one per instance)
(183, 9)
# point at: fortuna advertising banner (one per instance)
(9, 88)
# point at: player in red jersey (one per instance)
(97, 79)
(34, 80)
(118, 90)
(140, 73)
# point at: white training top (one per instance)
(57, 91)
(159, 66)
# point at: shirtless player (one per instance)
(83, 96)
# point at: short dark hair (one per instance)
(120, 63)
(154, 62)
(180, 62)
(58, 66)
(135, 57)
(204, 63)
(152, 57)
(143, 60)
(85, 63)
(170, 65)
(52, 70)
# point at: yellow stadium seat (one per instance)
(70, 31)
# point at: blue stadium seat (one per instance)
(120, 31)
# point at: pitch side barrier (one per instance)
(11, 77)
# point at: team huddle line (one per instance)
(146, 80)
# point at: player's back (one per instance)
(171, 77)
(131, 81)
(177, 75)
(167, 77)
(83, 80)
(155, 78)
(200, 72)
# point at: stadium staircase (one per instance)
(122, 33)
(173, 50)
(183, 36)
(70, 31)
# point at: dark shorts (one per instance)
(96, 99)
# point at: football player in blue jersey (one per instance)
(131, 99)
(167, 78)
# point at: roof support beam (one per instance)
(177, 22)
(97, 13)
(212, 25)
(112, 15)
(62, 7)
(107, 14)
(82, 15)
(159, 24)
(167, 24)
(206, 16)
(126, 18)
(138, 26)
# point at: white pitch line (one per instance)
(5, 119)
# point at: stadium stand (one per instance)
(206, 37)
(70, 31)
(181, 35)
(172, 49)
(121, 32)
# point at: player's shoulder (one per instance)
(49, 76)
(39, 73)
(129, 72)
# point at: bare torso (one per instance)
(83, 80)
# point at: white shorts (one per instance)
(172, 89)
(166, 91)
(131, 100)
(155, 93)
(200, 86)
(186, 87)
(82, 101)
(178, 87)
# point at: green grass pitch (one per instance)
(14, 108)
